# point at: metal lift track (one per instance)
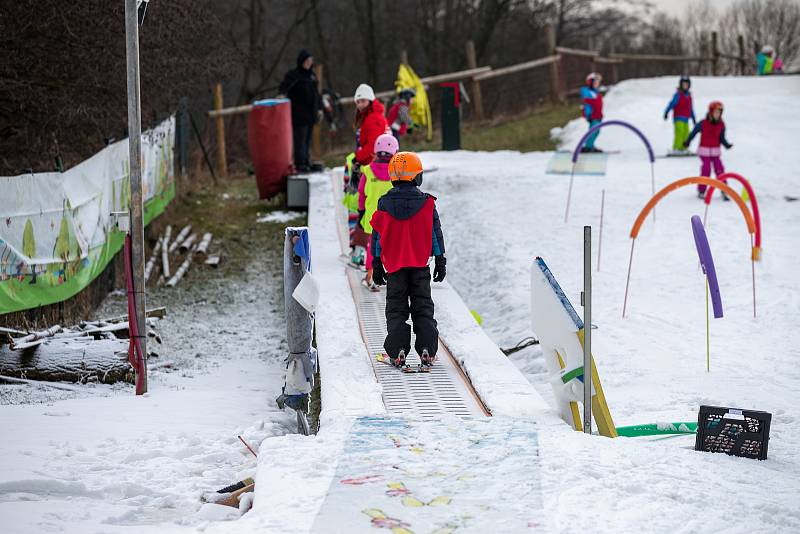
(445, 390)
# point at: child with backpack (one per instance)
(712, 135)
(373, 185)
(406, 233)
(592, 108)
(399, 117)
(682, 110)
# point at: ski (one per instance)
(677, 155)
(349, 263)
(384, 359)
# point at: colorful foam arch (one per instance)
(627, 125)
(677, 184)
(753, 205)
(577, 151)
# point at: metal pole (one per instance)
(587, 329)
(135, 147)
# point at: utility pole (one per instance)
(135, 153)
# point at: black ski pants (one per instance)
(408, 292)
(301, 138)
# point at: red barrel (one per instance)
(269, 136)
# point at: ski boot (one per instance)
(400, 360)
(426, 358)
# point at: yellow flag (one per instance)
(420, 108)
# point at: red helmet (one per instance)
(716, 104)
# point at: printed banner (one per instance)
(56, 232)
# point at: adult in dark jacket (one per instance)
(300, 86)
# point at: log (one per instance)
(202, 247)
(181, 271)
(35, 338)
(148, 269)
(70, 360)
(159, 312)
(179, 239)
(165, 258)
(187, 243)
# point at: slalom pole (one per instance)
(653, 186)
(600, 237)
(249, 448)
(708, 334)
(569, 192)
(753, 271)
(628, 279)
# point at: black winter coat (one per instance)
(300, 85)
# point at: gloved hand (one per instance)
(439, 269)
(361, 217)
(730, 146)
(685, 144)
(378, 272)
(666, 116)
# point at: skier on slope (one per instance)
(399, 118)
(682, 110)
(712, 135)
(592, 108)
(374, 183)
(368, 124)
(406, 233)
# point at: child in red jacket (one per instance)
(405, 233)
(712, 135)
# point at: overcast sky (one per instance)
(678, 7)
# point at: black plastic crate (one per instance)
(732, 431)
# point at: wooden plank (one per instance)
(577, 52)
(541, 62)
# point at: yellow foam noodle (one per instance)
(440, 501)
(602, 415)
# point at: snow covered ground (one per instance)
(99, 459)
(113, 463)
(499, 210)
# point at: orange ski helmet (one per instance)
(404, 167)
(716, 104)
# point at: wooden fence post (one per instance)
(555, 86)
(477, 98)
(614, 69)
(316, 132)
(222, 164)
(740, 39)
(714, 55)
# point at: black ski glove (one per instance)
(439, 269)
(361, 218)
(666, 116)
(378, 272)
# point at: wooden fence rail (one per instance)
(554, 60)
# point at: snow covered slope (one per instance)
(499, 210)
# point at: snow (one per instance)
(499, 210)
(105, 461)
(279, 216)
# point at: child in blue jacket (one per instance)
(682, 110)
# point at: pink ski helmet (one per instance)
(387, 144)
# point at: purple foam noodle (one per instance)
(707, 262)
(593, 129)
